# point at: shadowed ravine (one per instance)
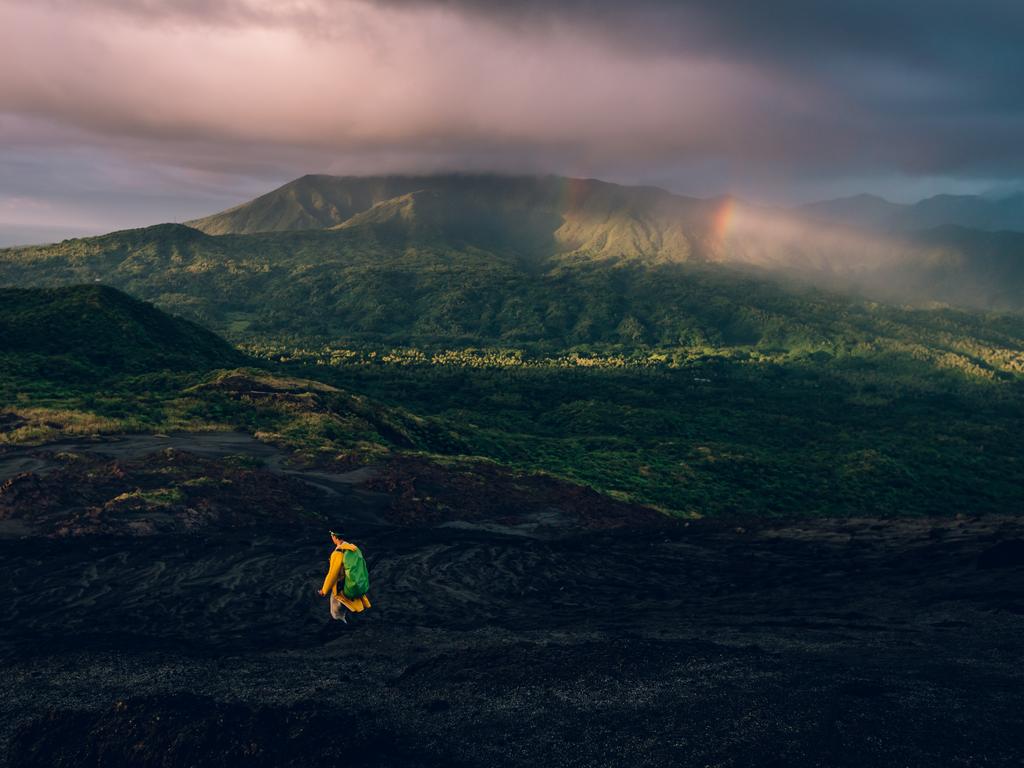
(857, 642)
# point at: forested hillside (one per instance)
(96, 332)
(355, 286)
(458, 260)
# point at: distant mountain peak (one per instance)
(872, 212)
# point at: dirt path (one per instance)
(145, 632)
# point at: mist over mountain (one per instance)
(551, 261)
(929, 252)
(544, 262)
(973, 211)
(530, 215)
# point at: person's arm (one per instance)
(333, 573)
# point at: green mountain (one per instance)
(863, 244)
(545, 262)
(530, 215)
(356, 284)
(90, 331)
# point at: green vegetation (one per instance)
(725, 434)
(346, 287)
(416, 327)
(86, 333)
(868, 430)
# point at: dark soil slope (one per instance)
(496, 638)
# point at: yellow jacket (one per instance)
(336, 575)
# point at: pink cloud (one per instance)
(385, 80)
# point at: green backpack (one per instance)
(357, 578)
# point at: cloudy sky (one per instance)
(119, 113)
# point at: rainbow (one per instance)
(572, 193)
(723, 219)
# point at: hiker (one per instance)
(347, 580)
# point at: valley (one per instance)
(636, 504)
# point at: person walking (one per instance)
(347, 580)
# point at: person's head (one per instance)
(336, 538)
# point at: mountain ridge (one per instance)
(560, 213)
(541, 260)
(1004, 213)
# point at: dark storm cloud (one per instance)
(984, 34)
(940, 82)
(918, 86)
